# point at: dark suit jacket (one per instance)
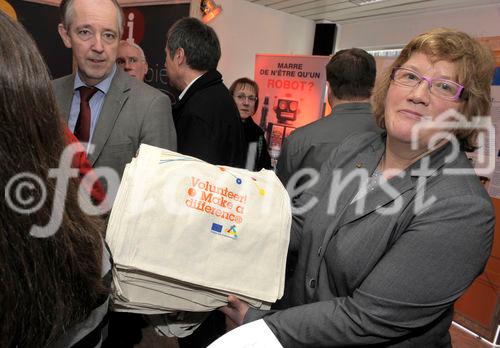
(208, 123)
(370, 278)
(254, 134)
(311, 145)
(132, 113)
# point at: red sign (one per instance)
(134, 25)
(291, 94)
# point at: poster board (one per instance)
(147, 27)
(41, 22)
(291, 95)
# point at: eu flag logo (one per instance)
(216, 228)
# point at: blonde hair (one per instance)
(474, 63)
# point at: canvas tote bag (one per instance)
(221, 228)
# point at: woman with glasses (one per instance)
(245, 93)
(400, 225)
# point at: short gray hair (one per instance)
(66, 14)
(133, 44)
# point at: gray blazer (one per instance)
(384, 280)
(311, 145)
(132, 113)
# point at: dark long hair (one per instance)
(46, 284)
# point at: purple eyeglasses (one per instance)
(442, 88)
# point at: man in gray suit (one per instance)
(122, 111)
(351, 76)
(105, 107)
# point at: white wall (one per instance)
(245, 29)
(397, 31)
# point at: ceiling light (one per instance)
(209, 10)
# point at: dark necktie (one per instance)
(82, 128)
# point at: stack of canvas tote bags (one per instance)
(184, 234)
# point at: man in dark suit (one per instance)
(123, 111)
(206, 117)
(351, 76)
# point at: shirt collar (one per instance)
(190, 84)
(103, 86)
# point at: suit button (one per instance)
(312, 283)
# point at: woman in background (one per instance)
(401, 226)
(52, 291)
(246, 95)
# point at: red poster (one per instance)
(292, 91)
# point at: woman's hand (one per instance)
(235, 312)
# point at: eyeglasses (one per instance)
(131, 60)
(250, 98)
(441, 88)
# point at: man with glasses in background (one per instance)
(132, 60)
